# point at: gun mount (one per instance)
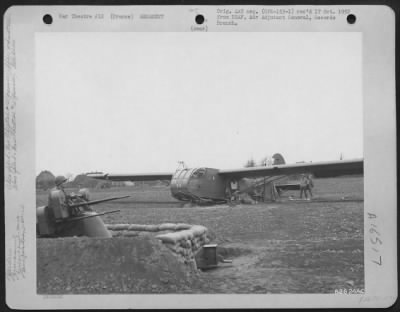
(72, 215)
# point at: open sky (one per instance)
(140, 102)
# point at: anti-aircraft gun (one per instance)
(71, 215)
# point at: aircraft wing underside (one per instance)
(131, 177)
(318, 169)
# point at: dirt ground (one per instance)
(103, 265)
(284, 247)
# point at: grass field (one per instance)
(282, 247)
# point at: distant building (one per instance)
(83, 181)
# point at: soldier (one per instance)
(309, 186)
(303, 186)
(60, 180)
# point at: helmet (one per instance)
(60, 180)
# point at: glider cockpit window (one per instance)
(199, 172)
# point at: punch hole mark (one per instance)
(47, 19)
(199, 19)
(351, 18)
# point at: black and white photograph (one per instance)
(222, 158)
(257, 183)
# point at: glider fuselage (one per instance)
(198, 185)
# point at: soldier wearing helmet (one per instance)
(59, 181)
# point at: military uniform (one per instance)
(59, 181)
(303, 187)
(309, 186)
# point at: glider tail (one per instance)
(278, 159)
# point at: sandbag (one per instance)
(167, 238)
(137, 227)
(167, 226)
(187, 243)
(117, 227)
(198, 230)
(152, 228)
(182, 226)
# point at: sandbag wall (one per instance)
(182, 239)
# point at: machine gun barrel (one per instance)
(98, 201)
